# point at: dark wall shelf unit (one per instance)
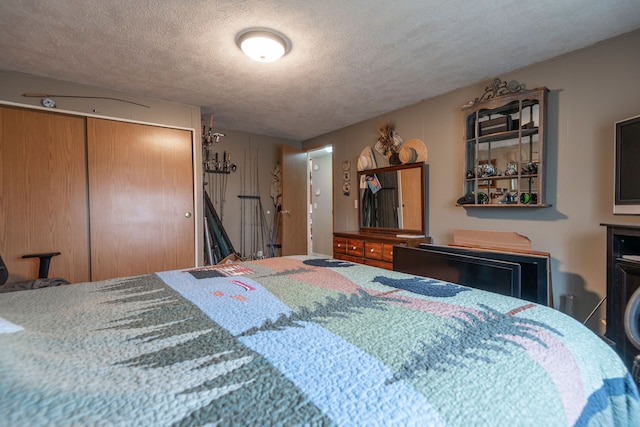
(504, 137)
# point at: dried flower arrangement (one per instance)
(389, 141)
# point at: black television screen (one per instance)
(627, 167)
(535, 269)
(501, 277)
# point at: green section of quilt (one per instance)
(185, 368)
(445, 353)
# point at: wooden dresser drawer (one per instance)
(373, 250)
(378, 263)
(355, 247)
(339, 245)
(349, 258)
(387, 252)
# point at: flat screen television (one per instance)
(501, 277)
(627, 167)
(535, 270)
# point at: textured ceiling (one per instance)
(349, 60)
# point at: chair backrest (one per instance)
(4, 273)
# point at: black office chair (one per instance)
(43, 272)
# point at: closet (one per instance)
(115, 198)
(43, 193)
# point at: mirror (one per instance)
(393, 199)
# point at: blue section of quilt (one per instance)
(300, 341)
(329, 381)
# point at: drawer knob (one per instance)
(354, 248)
(339, 245)
(371, 250)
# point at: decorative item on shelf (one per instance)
(531, 168)
(470, 199)
(495, 197)
(491, 126)
(467, 199)
(367, 160)
(509, 198)
(389, 141)
(512, 169)
(497, 88)
(413, 151)
(486, 170)
(529, 198)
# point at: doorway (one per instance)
(320, 201)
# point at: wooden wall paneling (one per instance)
(43, 189)
(140, 191)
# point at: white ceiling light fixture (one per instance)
(263, 45)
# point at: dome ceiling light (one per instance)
(263, 45)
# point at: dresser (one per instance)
(370, 248)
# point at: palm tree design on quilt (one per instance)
(474, 339)
(342, 306)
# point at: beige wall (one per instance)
(589, 90)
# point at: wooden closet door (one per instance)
(43, 188)
(140, 198)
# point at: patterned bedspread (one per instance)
(300, 341)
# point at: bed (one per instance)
(300, 341)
